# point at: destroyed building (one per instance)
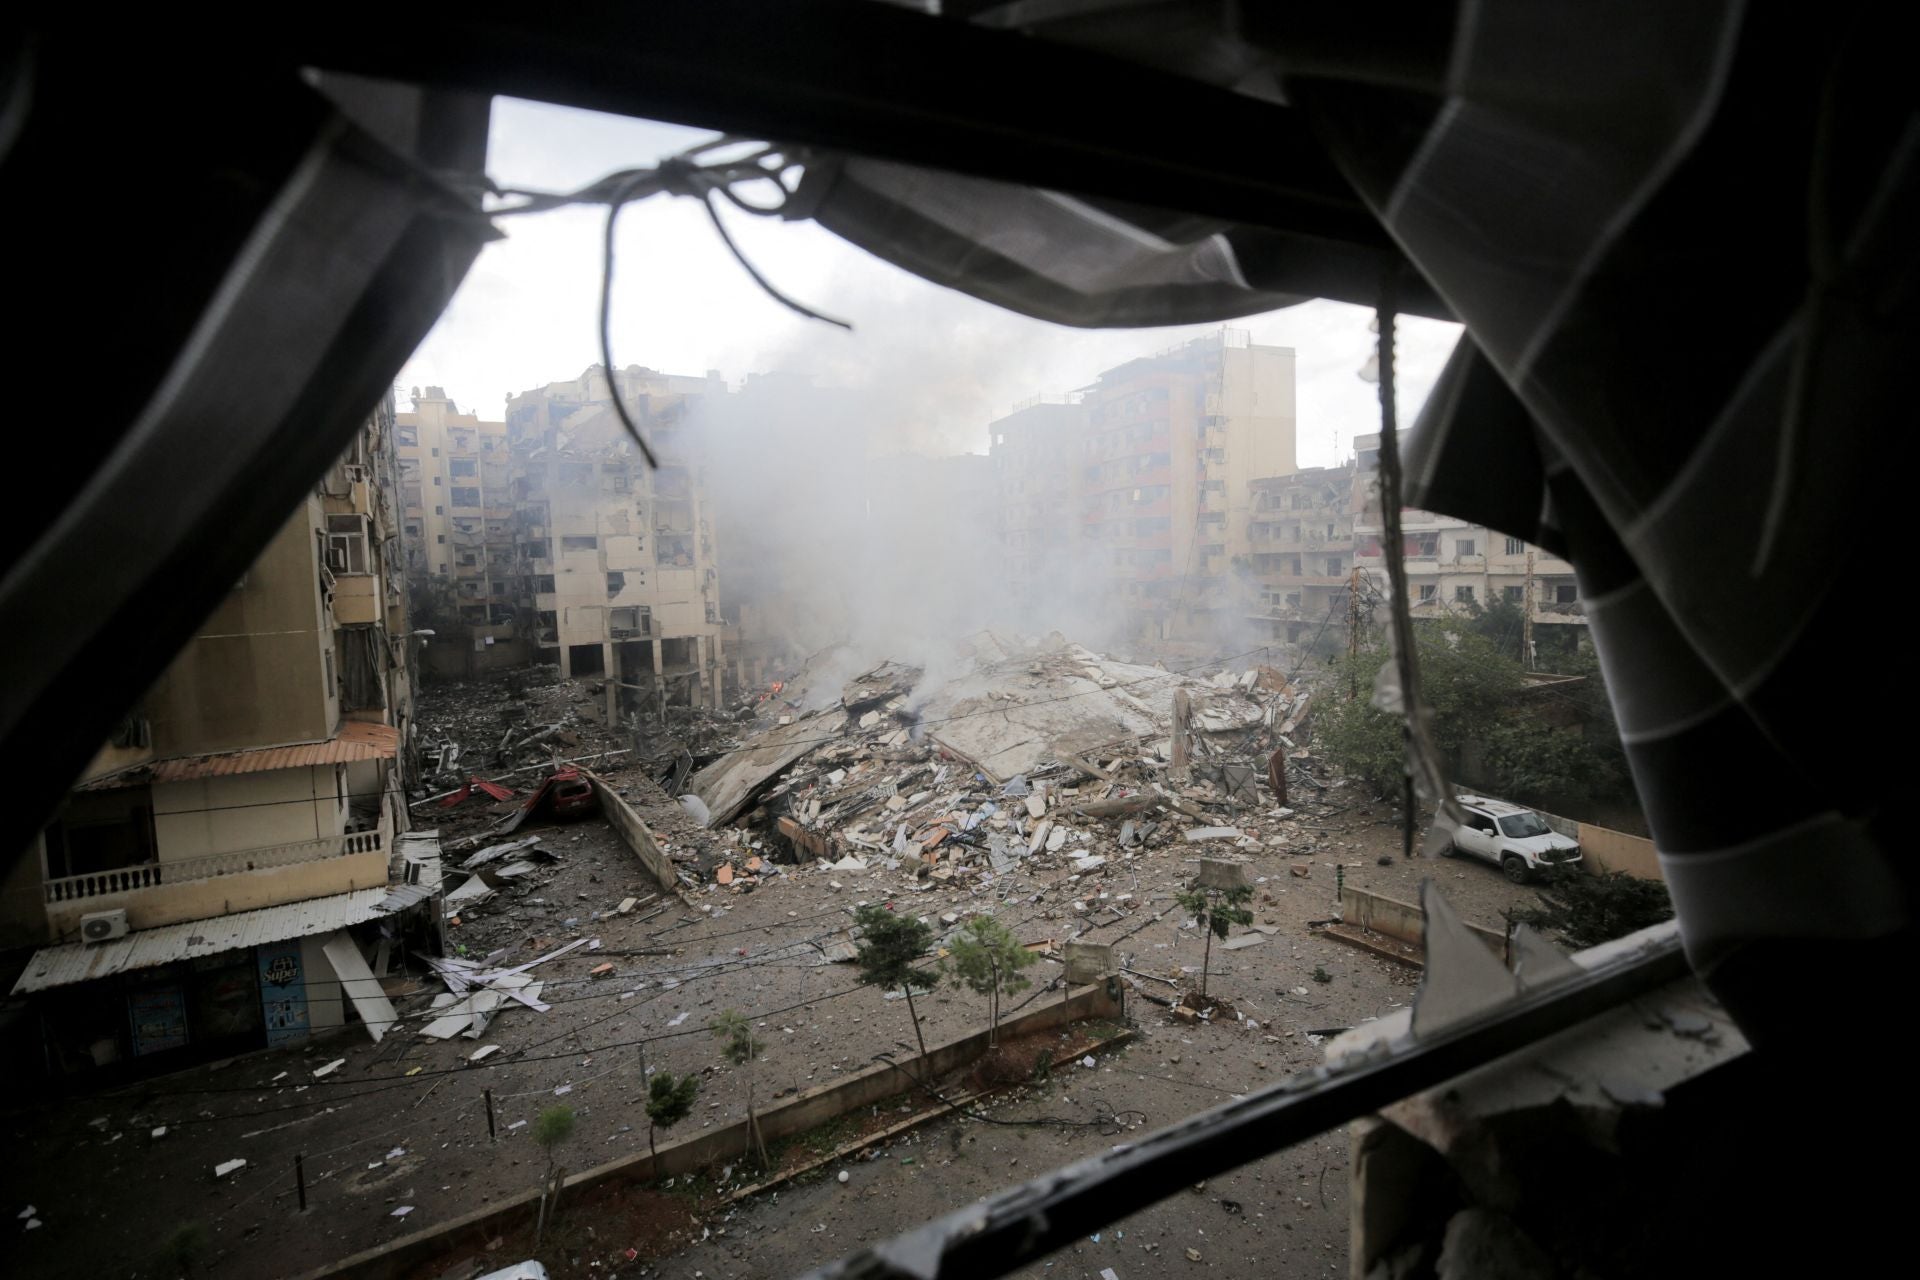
(618, 561)
(238, 846)
(1301, 538)
(1019, 751)
(1454, 565)
(1164, 449)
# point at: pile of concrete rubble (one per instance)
(1050, 753)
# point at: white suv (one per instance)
(1516, 840)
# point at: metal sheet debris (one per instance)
(493, 852)
(361, 987)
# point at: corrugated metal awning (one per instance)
(357, 740)
(73, 962)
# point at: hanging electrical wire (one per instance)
(681, 175)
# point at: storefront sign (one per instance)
(283, 992)
(159, 1018)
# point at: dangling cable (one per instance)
(626, 191)
(679, 176)
(713, 214)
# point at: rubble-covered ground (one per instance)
(395, 1138)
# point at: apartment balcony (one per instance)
(1571, 612)
(356, 598)
(176, 889)
(1283, 578)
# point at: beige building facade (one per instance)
(620, 564)
(459, 536)
(260, 781)
(1157, 473)
(1453, 565)
(1300, 553)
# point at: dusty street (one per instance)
(402, 1124)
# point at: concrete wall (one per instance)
(222, 895)
(247, 811)
(814, 1107)
(1402, 920)
(633, 833)
(456, 658)
(1604, 849)
(1608, 850)
(254, 674)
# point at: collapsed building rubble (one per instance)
(1020, 758)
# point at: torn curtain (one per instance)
(1682, 239)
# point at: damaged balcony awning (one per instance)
(69, 963)
(356, 741)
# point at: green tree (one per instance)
(669, 1101)
(1587, 909)
(890, 947)
(551, 1128)
(1217, 910)
(1473, 687)
(1500, 623)
(987, 960)
(741, 1046)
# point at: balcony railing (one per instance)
(100, 884)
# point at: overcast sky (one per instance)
(945, 364)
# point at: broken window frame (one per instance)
(349, 544)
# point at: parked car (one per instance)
(1516, 840)
(572, 796)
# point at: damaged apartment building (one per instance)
(1139, 490)
(618, 564)
(456, 500)
(547, 538)
(234, 854)
(1455, 566)
(1300, 561)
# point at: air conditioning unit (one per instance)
(103, 926)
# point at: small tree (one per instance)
(742, 1047)
(1217, 910)
(1587, 909)
(889, 946)
(550, 1128)
(669, 1101)
(987, 960)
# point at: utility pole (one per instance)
(1526, 615)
